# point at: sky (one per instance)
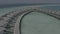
(27, 1)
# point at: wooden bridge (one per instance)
(10, 20)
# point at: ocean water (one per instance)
(41, 23)
(5, 10)
(10, 9)
(57, 8)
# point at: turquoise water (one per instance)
(6, 10)
(57, 8)
(9, 9)
(39, 23)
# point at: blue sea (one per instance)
(57, 8)
(8, 8)
(36, 19)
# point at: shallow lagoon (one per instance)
(39, 23)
